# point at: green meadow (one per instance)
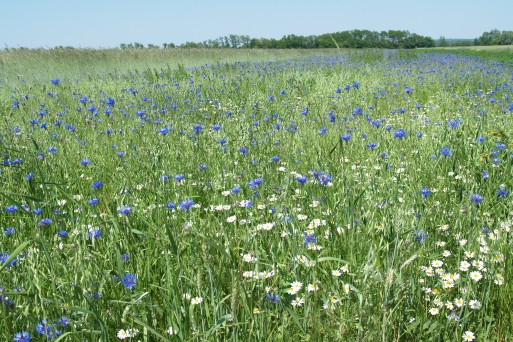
(255, 195)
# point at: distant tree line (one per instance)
(495, 37)
(392, 39)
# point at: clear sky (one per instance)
(107, 23)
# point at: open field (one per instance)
(255, 196)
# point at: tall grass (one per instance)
(310, 198)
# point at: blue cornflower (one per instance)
(345, 137)
(83, 99)
(97, 184)
(420, 235)
(445, 151)
(485, 174)
(55, 81)
(95, 232)
(309, 239)
(171, 205)
(216, 127)
(357, 111)
(273, 298)
(129, 280)
(179, 177)
(324, 178)
(372, 145)
(202, 167)
(243, 150)
(419, 135)
(85, 161)
(399, 133)
(480, 139)
(9, 231)
(356, 85)
(11, 209)
(110, 101)
(322, 130)
(275, 158)
(125, 257)
(47, 330)
(186, 204)
(236, 189)
(165, 177)
(63, 233)
(197, 128)
(93, 201)
(254, 183)
(301, 179)
(45, 222)
(163, 131)
(425, 192)
(23, 336)
(501, 192)
(37, 211)
(500, 146)
(63, 321)
(476, 198)
(125, 210)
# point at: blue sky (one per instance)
(107, 23)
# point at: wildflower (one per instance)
(476, 276)
(125, 210)
(474, 304)
(93, 201)
(399, 133)
(273, 298)
(196, 300)
(459, 302)
(85, 161)
(468, 336)
(437, 263)
(336, 273)
(170, 331)
(9, 231)
(23, 336)
(476, 198)
(312, 287)
(345, 137)
(434, 311)
(420, 235)
(97, 184)
(501, 193)
(309, 238)
(122, 334)
(55, 81)
(231, 219)
(295, 287)
(11, 209)
(297, 302)
(425, 192)
(445, 151)
(45, 222)
(129, 280)
(186, 204)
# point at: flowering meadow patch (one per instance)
(349, 197)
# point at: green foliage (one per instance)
(371, 245)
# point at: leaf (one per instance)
(15, 254)
(218, 324)
(150, 329)
(296, 319)
(332, 259)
